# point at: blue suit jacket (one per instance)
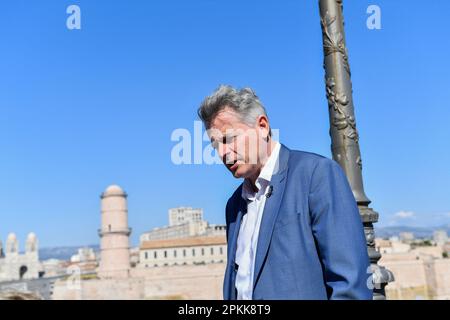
(311, 242)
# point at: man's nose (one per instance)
(226, 154)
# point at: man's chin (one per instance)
(238, 173)
(242, 171)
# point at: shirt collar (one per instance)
(265, 175)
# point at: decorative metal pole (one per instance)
(344, 136)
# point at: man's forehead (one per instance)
(216, 133)
(226, 117)
(227, 123)
(224, 122)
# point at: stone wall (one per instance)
(418, 278)
(174, 282)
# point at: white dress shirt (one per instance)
(251, 221)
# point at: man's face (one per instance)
(237, 143)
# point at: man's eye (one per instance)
(215, 144)
(228, 139)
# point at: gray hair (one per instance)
(244, 102)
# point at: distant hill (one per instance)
(62, 253)
(419, 232)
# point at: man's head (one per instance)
(239, 129)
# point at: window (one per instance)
(203, 251)
(175, 253)
(146, 255)
(155, 254)
(184, 252)
(165, 254)
(212, 251)
(193, 252)
(221, 250)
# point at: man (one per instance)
(293, 226)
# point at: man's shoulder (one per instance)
(307, 161)
(312, 166)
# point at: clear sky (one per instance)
(83, 109)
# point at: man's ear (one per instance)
(263, 125)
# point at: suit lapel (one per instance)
(270, 213)
(234, 232)
(235, 226)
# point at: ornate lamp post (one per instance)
(344, 136)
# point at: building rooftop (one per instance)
(183, 242)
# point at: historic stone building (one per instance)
(421, 272)
(15, 265)
(188, 268)
(187, 251)
(114, 234)
(187, 240)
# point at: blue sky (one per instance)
(82, 109)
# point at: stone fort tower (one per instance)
(114, 234)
